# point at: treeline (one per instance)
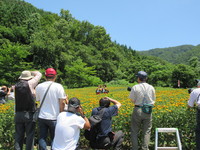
(83, 54)
(184, 54)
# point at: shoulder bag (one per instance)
(37, 112)
(146, 108)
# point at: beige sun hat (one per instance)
(26, 75)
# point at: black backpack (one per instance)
(95, 121)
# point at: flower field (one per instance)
(170, 111)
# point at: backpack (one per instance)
(95, 121)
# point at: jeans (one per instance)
(198, 130)
(143, 120)
(45, 126)
(24, 125)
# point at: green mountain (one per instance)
(176, 55)
(83, 54)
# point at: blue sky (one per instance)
(140, 24)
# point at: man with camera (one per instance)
(142, 94)
(25, 108)
(68, 126)
(195, 98)
(106, 138)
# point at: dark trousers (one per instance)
(45, 127)
(24, 125)
(112, 140)
(198, 130)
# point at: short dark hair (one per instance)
(143, 79)
(47, 77)
(104, 102)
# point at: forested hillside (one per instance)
(83, 54)
(176, 55)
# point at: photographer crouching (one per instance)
(195, 98)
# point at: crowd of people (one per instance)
(64, 123)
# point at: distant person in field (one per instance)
(140, 94)
(99, 89)
(105, 89)
(195, 99)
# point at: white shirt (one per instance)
(141, 91)
(193, 97)
(67, 131)
(51, 106)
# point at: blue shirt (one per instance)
(106, 124)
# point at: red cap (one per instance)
(50, 72)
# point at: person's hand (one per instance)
(80, 110)
(33, 73)
(108, 98)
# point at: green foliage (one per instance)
(7, 128)
(59, 40)
(118, 82)
(12, 62)
(176, 55)
(185, 74)
(20, 10)
(46, 48)
(79, 75)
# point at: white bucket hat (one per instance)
(26, 75)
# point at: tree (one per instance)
(12, 62)
(33, 24)
(46, 48)
(79, 75)
(185, 74)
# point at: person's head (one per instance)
(73, 104)
(25, 75)
(142, 76)
(104, 102)
(50, 74)
(4, 88)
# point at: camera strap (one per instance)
(198, 98)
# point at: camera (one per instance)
(129, 89)
(197, 80)
(190, 90)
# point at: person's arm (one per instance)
(192, 99)
(8, 91)
(62, 104)
(87, 123)
(34, 81)
(66, 100)
(115, 102)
